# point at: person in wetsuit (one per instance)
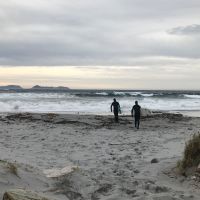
(137, 112)
(115, 107)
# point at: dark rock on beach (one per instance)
(154, 160)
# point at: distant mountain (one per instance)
(38, 87)
(11, 87)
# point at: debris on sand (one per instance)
(54, 173)
(19, 194)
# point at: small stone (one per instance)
(182, 180)
(135, 183)
(193, 178)
(198, 168)
(147, 186)
(160, 189)
(154, 160)
(136, 171)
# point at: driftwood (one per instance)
(54, 173)
(19, 194)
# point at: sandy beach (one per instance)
(108, 161)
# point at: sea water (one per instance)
(99, 101)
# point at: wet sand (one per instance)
(112, 160)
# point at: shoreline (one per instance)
(113, 160)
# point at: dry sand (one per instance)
(113, 159)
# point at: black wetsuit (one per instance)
(116, 108)
(137, 111)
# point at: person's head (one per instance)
(114, 100)
(136, 102)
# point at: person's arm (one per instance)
(111, 107)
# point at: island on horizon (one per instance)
(38, 88)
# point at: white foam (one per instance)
(102, 93)
(69, 103)
(119, 93)
(192, 96)
(147, 95)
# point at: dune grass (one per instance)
(12, 168)
(191, 156)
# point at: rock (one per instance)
(147, 186)
(102, 191)
(198, 168)
(193, 178)
(136, 171)
(130, 192)
(18, 194)
(160, 189)
(154, 160)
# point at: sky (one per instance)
(103, 44)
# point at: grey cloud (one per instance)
(186, 30)
(91, 32)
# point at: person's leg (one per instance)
(116, 116)
(137, 122)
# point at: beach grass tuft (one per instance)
(191, 157)
(12, 168)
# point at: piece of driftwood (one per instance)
(55, 172)
(19, 194)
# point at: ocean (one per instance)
(99, 101)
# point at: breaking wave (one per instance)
(98, 102)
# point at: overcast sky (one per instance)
(130, 44)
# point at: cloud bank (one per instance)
(98, 32)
